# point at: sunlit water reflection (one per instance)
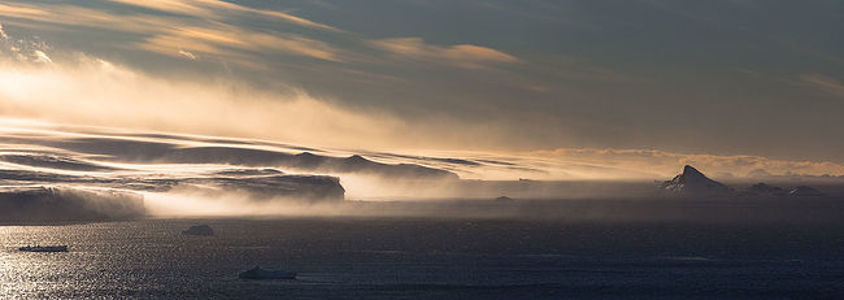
(372, 258)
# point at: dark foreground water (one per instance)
(426, 258)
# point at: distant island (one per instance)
(64, 204)
(693, 183)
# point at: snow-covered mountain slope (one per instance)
(692, 182)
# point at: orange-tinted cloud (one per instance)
(20, 11)
(825, 83)
(103, 93)
(204, 32)
(223, 41)
(214, 9)
(662, 163)
(463, 55)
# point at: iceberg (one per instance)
(58, 203)
(504, 199)
(203, 230)
(43, 249)
(803, 190)
(258, 273)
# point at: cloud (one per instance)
(224, 40)
(108, 94)
(463, 55)
(97, 92)
(3, 35)
(68, 15)
(187, 54)
(214, 9)
(93, 91)
(587, 96)
(662, 164)
(203, 28)
(20, 11)
(23, 51)
(825, 83)
(41, 57)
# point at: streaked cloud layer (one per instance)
(459, 55)
(726, 78)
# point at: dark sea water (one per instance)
(344, 257)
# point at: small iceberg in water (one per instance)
(258, 273)
(199, 230)
(803, 190)
(504, 199)
(43, 249)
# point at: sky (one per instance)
(739, 82)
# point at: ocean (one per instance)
(426, 257)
